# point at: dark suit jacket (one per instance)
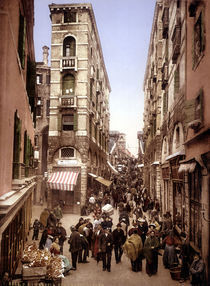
(105, 242)
(75, 242)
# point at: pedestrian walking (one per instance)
(151, 246)
(185, 257)
(118, 241)
(60, 232)
(133, 249)
(105, 248)
(143, 227)
(75, 245)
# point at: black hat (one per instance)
(119, 224)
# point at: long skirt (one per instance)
(152, 266)
(169, 256)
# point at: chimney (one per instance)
(45, 55)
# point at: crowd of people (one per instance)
(140, 234)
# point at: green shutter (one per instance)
(75, 121)
(176, 80)
(59, 122)
(25, 147)
(189, 110)
(22, 39)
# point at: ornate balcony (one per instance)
(68, 63)
(68, 101)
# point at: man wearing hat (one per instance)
(105, 248)
(75, 246)
(118, 241)
(143, 227)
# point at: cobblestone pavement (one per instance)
(91, 274)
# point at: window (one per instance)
(67, 152)
(177, 136)
(69, 47)
(176, 81)
(16, 146)
(91, 89)
(38, 110)
(47, 107)
(165, 103)
(70, 17)
(22, 39)
(48, 79)
(39, 78)
(68, 85)
(68, 122)
(198, 40)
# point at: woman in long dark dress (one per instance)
(151, 246)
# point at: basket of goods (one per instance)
(108, 209)
(39, 264)
(175, 272)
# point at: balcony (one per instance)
(68, 101)
(68, 63)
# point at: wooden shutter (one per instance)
(22, 39)
(75, 121)
(189, 110)
(202, 32)
(176, 80)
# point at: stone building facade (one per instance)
(17, 120)
(176, 120)
(42, 124)
(79, 101)
(196, 166)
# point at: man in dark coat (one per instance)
(75, 246)
(118, 241)
(143, 228)
(60, 232)
(105, 248)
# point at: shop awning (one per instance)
(172, 156)
(187, 167)
(103, 181)
(155, 163)
(92, 175)
(112, 168)
(63, 181)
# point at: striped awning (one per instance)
(63, 181)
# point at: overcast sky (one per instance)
(124, 28)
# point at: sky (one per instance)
(124, 28)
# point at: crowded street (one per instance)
(104, 143)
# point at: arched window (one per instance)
(68, 85)
(69, 47)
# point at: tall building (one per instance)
(42, 124)
(176, 119)
(17, 114)
(196, 165)
(79, 105)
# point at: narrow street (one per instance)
(91, 274)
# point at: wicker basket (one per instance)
(175, 273)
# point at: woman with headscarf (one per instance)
(170, 258)
(151, 246)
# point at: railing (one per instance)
(68, 63)
(68, 101)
